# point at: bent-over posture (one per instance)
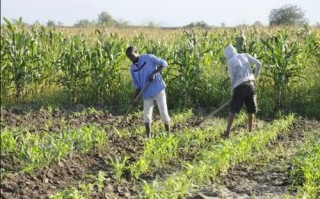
(242, 85)
(144, 68)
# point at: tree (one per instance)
(83, 23)
(286, 15)
(152, 25)
(122, 23)
(106, 19)
(51, 23)
(199, 24)
(257, 24)
(223, 25)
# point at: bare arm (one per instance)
(258, 64)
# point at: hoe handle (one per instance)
(134, 101)
(214, 112)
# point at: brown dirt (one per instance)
(74, 169)
(38, 120)
(69, 172)
(259, 178)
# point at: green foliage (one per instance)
(215, 159)
(158, 151)
(104, 18)
(21, 58)
(74, 65)
(306, 173)
(84, 23)
(83, 191)
(188, 58)
(283, 63)
(93, 70)
(26, 59)
(8, 142)
(286, 15)
(169, 148)
(119, 166)
(37, 150)
(105, 62)
(199, 24)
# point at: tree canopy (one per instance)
(286, 15)
(106, 18)
(198, 24)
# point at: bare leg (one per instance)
(250, 121)
(230, 121)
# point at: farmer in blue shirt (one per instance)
(144, 68)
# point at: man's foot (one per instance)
(148, 134)
(148, 129)
(226, 134)
(167, 127)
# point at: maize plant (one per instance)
(161, 49)
(306, 175)
(119, 165)
(27, 57)
(247, 43)
(51, 45)
(311, 40)
(241, 44)
(20, 58)
(215, 159)
(105, 67)
(282, 58)
(74, 66)
(188, 58)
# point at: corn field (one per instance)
(92, 68)
(64, 90)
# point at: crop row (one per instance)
(306, 173)
(217, 158)
(94, 69)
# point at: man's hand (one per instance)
(152, 76)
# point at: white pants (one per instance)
(148, 105)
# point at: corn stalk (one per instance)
(282, 60)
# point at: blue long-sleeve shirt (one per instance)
(141, 71)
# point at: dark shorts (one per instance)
(244, 94)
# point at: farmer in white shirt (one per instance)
(242, 85)
(144, 68)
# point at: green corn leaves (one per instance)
(282, 56)
(93, 69)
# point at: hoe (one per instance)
(212, 113)
(134, 101)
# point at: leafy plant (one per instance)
(282, 58)
(119, 165)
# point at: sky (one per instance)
(168, 13)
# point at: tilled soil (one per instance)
(38, 120)
(68, 173)
(43, 182)
(263, 177)
(239, 182)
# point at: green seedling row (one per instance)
(306, 169)
(35, 150)
(211, 162)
